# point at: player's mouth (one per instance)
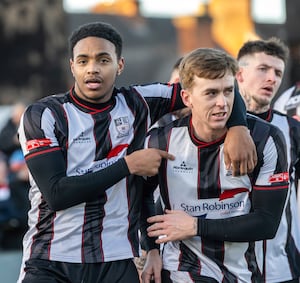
(219, 114)
(268, 90)
(93, 83)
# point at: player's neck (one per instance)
(209, 135)
(257, 108)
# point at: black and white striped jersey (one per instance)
(93, 218)
(231, 210)
(282, 254)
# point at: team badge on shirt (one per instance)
(122, 126)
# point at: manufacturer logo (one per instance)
(82, 139)
(122, 126)
(183, 168)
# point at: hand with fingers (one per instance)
(152, 269)
(145, 162)
(171, 226)
(239, 151)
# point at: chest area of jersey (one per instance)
(94, 129)
(198, 182)
(95, 141)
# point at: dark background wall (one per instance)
(35, 62)
(33, 49)
(150, 45)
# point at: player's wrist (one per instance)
(198, 231)
(195, 226)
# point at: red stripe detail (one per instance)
(28, 156)
(87, 107)
(115, 151)
(231, 193)
(271, 188)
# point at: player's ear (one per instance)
(185, 96)
(121, 64)
(239, 76)
(72, 66)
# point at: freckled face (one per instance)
(95, 66)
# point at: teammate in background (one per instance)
(84, 151)
(169, 117)
(174, 77)
(212, 219)
(289, 102)
(261, 68)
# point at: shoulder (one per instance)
(261, 129)
(158, 134)
(289, 99)
(284, 96)
(51, 102)
(256, 122)
(292, 122)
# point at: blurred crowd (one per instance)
(14, 183)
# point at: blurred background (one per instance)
(35, 63)
(33, 36)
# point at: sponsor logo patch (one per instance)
(280, 177)
(37, 143)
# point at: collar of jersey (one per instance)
(92, 107)
(267, 116)
(203, 144)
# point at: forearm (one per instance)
(61, 191)
(148, 210)
(260, 224)
(238, 114)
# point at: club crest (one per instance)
(122, 126)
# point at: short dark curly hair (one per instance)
(96, 29)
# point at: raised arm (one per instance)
(239, 150)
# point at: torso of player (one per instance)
(198, 182)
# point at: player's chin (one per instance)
(219, 125)
(97, 95)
